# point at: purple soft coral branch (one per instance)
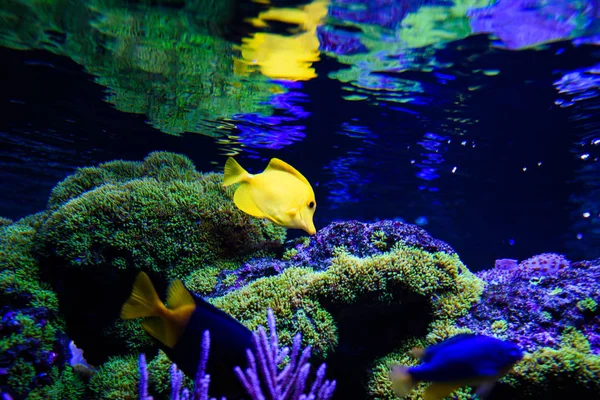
(318, 381)
(202, 379)
(290, 383)
(263, 362)
(178, 392)
(176, 382)
(143, 379)
(266, 361)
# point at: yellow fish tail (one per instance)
(178, 296)
(160, 322)
(143, 301)
(402, 382)
(234, 173)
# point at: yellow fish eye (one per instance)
(311, 204)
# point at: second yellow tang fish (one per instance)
(280, 193)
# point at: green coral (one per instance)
(499, 326)
(131, 334)
(587, 305)
(289, 254)
(379, 385)
(159, 374)
(67, 385)
(167, 63)
(229, 280)
(23, 291)
(202, 280)
(20, 284)
(160, 215)
(301, 298)
(5, 221)
(116, 379)
(548, 371)
(546, 316)
(288, 295)
(21, 375)
(379, 240)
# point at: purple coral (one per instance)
(143, 390)
(543, 264)
(533, 307)
(178, 392)
(288, 383)
(359, 238)
(364, 240)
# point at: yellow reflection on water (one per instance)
(287, 57)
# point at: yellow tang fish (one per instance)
(280, 193)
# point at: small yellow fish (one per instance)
(280, 193)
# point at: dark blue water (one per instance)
(490, 164)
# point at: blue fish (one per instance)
(179, 327)
(474, 360)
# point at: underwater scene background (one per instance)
(453, 148)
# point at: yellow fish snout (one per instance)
(306, 218)
(309, 227)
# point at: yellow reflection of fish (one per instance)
(280, 193)
(284, 57)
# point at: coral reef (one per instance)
(359, 294)
(160, 215)
(33, 348)
(363, 240)
(339, 302)
(356, 238)
(538, 307)
(546, 305)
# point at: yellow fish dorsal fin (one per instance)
(178, 296)
(234, 173)
(143, 301)
(279, 165)
(243, 200)
(437, 391)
